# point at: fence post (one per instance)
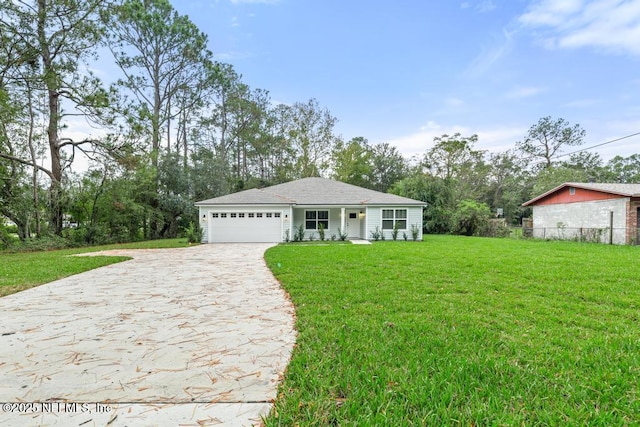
(611, 227)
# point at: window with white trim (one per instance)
(313, 219)
(391, 217)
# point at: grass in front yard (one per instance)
(23, 270)
(461, 331)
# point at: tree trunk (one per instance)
(32, 152)
(55, 189)
(155, 154)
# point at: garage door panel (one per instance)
(245, 227)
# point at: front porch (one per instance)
(334, 220)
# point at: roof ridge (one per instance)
(286, 199)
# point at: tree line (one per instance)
(174, 126)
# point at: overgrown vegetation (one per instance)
(461, 331)
(471, 218)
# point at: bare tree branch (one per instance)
(28, 163)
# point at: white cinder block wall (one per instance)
(581, 215)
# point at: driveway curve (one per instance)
(189, 336)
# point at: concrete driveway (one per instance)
(190, 336)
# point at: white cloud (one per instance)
(582, 103)
(230, 56)
(498, 139)
(490, 55)
(550, 12)
(599, 132)
(485, 6)
(523, 92)
(481, 7)
(454, 102)
(610, 25)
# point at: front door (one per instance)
(353, 224)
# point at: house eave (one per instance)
(205, 204)
(304, 205)
(576, 185)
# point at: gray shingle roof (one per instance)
(625, 190)
(311, 191)
(631, 190)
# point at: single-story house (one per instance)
(606, 213)
(273, 214)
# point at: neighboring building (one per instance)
(271, 214)
(588, 211)
(6, 221)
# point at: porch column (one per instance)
(342, 221)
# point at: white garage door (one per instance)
(258, 226)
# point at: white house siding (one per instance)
(571, 220)
(299, 218)
(374, 219)
(205, 234)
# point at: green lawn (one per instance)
(461, 331)
(23, 270)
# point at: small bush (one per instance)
(321, 231)
(377, 234)
(312, 236)
(415, 232)
(298, 235)
(193, 233)
(404, 236)
(395, 231)
(287, 237)
(341, 235)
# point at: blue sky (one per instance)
(405, 71)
